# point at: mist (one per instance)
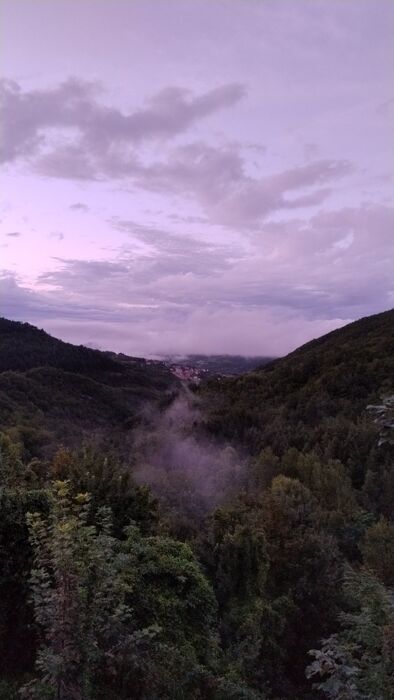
(189, 473)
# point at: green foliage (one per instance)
(378, 551)
(23, 346)
(263, 469)
(170, 593)
(119, 619)
(109, 484)
(384, 417)
(112, 595)
(314, 399)
(54, 393)
(379, 480)
(357, 663)
(9, 690)
(235, 555)
(239, 557)
(19, 493)
(336, 665)
(13, 471)
(305, 569)
(74, 591)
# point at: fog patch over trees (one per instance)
(186, 469)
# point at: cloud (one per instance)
(217, 178)
(97, 129)
(167, 242)
(79, 206)
(20, 302)
(386, 108)
(177, 218)
(39, 307)
(67, 133)
(310, 150)
(153, 256)
(166, 293)
(151, 330)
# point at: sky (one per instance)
(191, 176)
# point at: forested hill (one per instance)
(368, 340)
(54, 392)
(314, 398)
(23, 346)
(238, 545)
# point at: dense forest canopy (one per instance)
(233, 540)
(53, 392)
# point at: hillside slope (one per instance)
(314, 398)
(23, 346)
(243, 561)
(52, 392)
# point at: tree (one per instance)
(305, 568)
(357, 663)
(19, 493)
(378, 551)
(167, 591)
(235, 555)
(109, 484)
(75, 592)
(263, 469)
(124, 619)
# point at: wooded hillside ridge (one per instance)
(227, 541)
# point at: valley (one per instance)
(231, 536)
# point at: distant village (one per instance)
(189, 374)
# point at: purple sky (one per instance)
(194, 176)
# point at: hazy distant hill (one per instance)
(54, 391)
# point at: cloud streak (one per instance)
(180, 294)
(65, 132)
(73, 105)
(217, 179)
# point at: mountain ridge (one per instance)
(51, 389)
(55, 392)
(315, 398)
